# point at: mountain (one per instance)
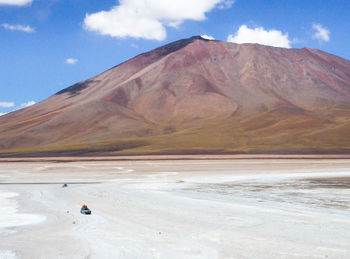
(195, 95)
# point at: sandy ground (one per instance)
(242, 208)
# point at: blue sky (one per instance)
(48, 45)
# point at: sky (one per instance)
(48, 45)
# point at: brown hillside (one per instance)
(195, 95)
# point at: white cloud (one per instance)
(71, 61)
(27, 104)
(226, 4)
(259, 35)
(2, 113)
(7, 104)
(15, 2)
(148, 19)
(208, 37)
(18, 27)
(321, 33)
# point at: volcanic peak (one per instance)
(175, 46)
(153, 55)
(195, 95)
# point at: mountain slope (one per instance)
(196, 95)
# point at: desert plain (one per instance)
(218, 207)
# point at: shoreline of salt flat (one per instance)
(126, 157)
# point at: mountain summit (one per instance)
(195, 95)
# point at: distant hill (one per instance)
(195, 96)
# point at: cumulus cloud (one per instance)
(71, 61)
(15, 2)
(7, 104)
(321, 33)
(18, 27)
(259, 35)
(148, 19)
(27, 104)
(208, 37)
(2, 113)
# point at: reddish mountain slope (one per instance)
(196, 95)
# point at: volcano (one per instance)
(195, 96)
